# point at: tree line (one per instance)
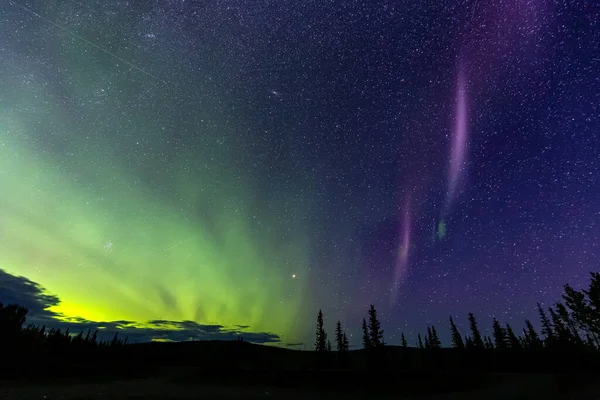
(570, 326)
(569, 330)
(15, 335)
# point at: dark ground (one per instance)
(509, 387)
(230, 370)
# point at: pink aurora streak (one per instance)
(403, 252)
(459, 139)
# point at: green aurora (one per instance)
(92, 232)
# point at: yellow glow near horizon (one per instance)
(112, 251)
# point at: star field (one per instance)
(247, 164)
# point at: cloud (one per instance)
(26, 293)
(20, 290)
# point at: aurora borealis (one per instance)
(235, 167)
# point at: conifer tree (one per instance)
(547, 330)
(532, 339)
(585, 307)
(561, 331)
(513, 341)
(419, 341)
(345, 342)
(435, 342)
(593, 295)
(366, 339)
(583, 312)
(569, 323)
(375, 331)
(339, 337)
(12, 319)
(457, 341)
(593, 292)
(524, 341)
(475, 335)
(488, 344)
(79, 338)
(321, 335)
(589, 342)
(500, 340)
(428, 338)
(403, 341)
(469, 342)
(328, 345)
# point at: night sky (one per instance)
(195, 169)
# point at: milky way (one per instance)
(240, 166)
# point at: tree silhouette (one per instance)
(366, 338)
(512, 339)
(569, 336)
(339, 337)
(500, 339)
(375, 331)
(569, 323)
(12, 319)
(469, 342)
(589, 342)
(345, 342)
(115, 339)
(434, 340)
(547, 330)
(19, 343)
(562, 334)
(79, 338)
(321, 335)
(584, 313)
(532, 339)
(487, 343)
(475, 335)
(585, 307)
(457, 341)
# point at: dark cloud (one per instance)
(29, 294)
(20, 290)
